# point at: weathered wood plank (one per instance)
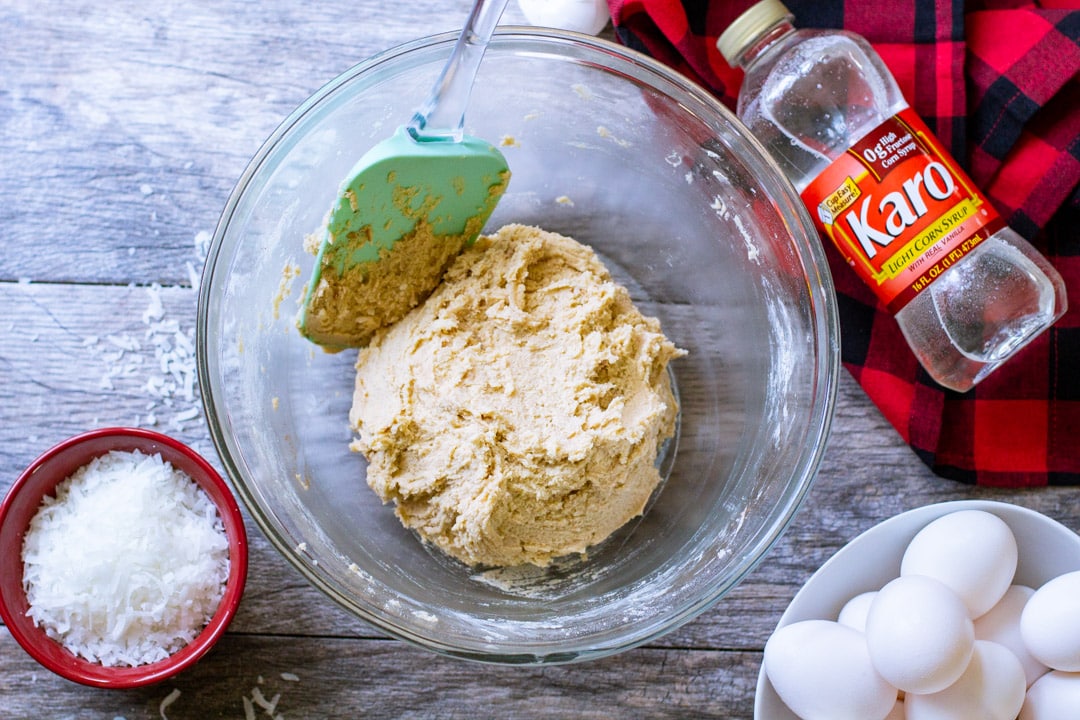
(341, 678)
(125, 125)
(93, 348)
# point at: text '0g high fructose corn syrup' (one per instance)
(966, 290)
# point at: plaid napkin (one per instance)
(998, 82)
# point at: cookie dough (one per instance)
(345, 310)
(516, 415)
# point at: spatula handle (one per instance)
(442, 117)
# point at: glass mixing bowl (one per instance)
(616, 151)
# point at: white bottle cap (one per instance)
(748, 27)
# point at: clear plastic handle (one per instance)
(442, 116)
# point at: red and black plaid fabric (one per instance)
(999, 82)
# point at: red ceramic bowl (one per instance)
(22, 503)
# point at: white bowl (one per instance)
(1047, 549)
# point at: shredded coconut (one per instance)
(171, 380)
(256, 700)
(268, 705)
(167, 701)
(127, 563)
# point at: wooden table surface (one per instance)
(125, 125)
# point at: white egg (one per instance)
(971, 551)
(821, 670)
(853, 614)
(1002, 625)
(1050, 623)
(583, 16)
(990, 688)
(1054, 696)
(919, 635)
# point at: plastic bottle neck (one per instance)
(761, 44)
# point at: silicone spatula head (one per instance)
(408, 207)
(404, 213)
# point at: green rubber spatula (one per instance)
(408, 207)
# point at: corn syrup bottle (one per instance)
(966, 290)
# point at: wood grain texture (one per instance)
(123, 128)
(336, 678)
(125, 125)
(284, 625)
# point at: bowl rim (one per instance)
(824, 312)
(51, 654)
(906, 523)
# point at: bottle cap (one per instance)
(748, 26)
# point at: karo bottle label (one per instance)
(899, 209)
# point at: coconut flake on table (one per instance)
(167, 701)
(171, 381)
(127, 563)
